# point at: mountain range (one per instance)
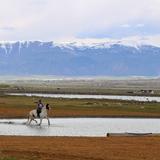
(79, 58)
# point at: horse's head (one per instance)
(47, 106)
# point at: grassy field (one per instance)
(113, 86)
(19, 106)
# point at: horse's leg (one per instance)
(27, 120)
(48, 121)
(35, 120)
(40, 121)
(30, 121)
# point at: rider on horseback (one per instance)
(39, 107)
(41, 111)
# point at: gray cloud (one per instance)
(7, 28)
(52, 19)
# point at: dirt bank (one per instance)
(78, 148)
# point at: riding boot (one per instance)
(38, 113)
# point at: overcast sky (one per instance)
(64, 19)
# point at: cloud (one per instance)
(53, 19)
(140, 25)
(125, 26)
(7, 28)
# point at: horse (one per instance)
(33, 114)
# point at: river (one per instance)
(79, 96)
(90, 127)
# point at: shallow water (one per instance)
(78, 96)
(98, 127)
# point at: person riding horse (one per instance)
(39, 107)
(40, 112)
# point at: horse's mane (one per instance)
(47, 106)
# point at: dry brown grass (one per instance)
(65, 148)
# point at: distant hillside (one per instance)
(49, 58)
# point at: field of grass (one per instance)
(113, 86)
(19, 106)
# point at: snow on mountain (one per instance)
(133, 56)
(134, 42)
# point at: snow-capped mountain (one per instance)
(123, 57)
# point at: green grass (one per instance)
(83, 87)
(8, 158)
(82, 107)
(4, 85)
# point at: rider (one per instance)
(39, 107)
